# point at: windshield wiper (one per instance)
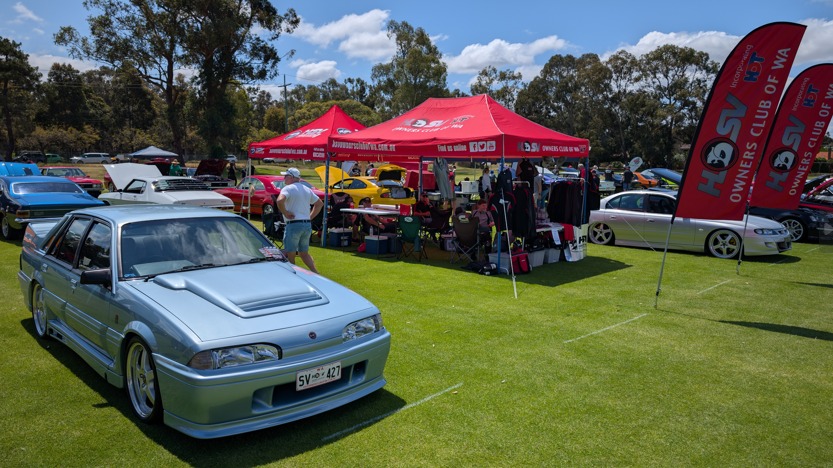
(185, 268)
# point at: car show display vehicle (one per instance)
(91, 158)
(28, 199)
(200, 318)
(804, 224)
(91, 186)
(819, 198)
(261, 189)
(386, 188)
(142, 184)
(18, 169)
(641, 218)
(210, 172)
(667, 177)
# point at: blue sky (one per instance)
(344, 39)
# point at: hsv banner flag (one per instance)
(735, 123)
(799, 128)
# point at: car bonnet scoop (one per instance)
(245, 293)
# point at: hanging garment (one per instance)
(526, 171)
(504, 182)
(564, 205)
(502, 212)
(441, 177)
(523, 214)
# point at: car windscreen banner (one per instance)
(735, 123)
(797, 136)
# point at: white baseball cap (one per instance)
(292, 172)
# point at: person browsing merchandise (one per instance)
(294, 202)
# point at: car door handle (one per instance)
(613, 217)
(650, 220)
(73, 284)
(44, 267)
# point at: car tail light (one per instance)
(386, 195)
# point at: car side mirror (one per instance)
(101, 277)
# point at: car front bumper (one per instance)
(210, 404)
(766, 245)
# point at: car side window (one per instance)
(259, 187)
(244, 184)
(613, 204)
(341, 185)
(95, 251)
(660, 205)
(137, 187)
(68, 247)
(357, 185)
(632, 202)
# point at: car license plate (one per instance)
(317, 376)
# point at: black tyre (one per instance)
(602, 234)
(9, 233)
(39, 312)
(142, 383)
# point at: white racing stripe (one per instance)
(379, 418)
(779, 261)
(603, 329)
(716, 285)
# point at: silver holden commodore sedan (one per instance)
(641, 218)
(200, 317)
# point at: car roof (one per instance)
(60, 167)
(50, 179)
(123, 214)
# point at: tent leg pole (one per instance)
(249, 193)
(662, 267)
(326, 199)
(420, 179)
(743, 236)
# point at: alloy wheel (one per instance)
(39, 311)
(267, 209)
(601, 234)
(6, 228)
(724, 244)
(141, 380)
(795, 227)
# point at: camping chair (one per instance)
(467, 240)
(408, 231)
(438, 226)
(274, 226)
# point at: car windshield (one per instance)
(65, 172)
(278, 184)
(45, 187)
(171, 185)
(152, 248)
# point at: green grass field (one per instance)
(737, 375)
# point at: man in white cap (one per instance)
(294, 202)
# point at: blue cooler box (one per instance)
(376, 245)
(393, 244)
(340, 237)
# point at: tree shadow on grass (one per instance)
(250, 449)
(786, 329)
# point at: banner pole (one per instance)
(326, 198)
(249, 193)
(743, 235)
(662, 267)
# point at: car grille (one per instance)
(285, 396)
(85, 186)
(784, 246)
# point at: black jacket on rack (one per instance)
(504, 182)
(526, 171)
(497, 208)
(564, 205)
(523, 214)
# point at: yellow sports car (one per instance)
(384, 189)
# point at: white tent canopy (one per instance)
(153, 152)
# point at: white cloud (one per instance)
(718, 44)
(44, 63)
(361, 36)
(319, 71)
(529, 72)
(298, 62)
(39, 31)
(438, 38)
(24, 13)
(815, 46)
(500, 53)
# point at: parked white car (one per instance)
(143, 184)
(91, 158)
(231, 158)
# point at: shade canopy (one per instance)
(310, 141)
(459, 128)
(153, 152)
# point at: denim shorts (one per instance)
(296, 237)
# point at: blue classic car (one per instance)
(200, 317)
(37, 198)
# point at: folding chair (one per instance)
(408, 231)
(438, 226)
(273, 227)
(467, 240)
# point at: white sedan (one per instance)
(143, 184)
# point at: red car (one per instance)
(91, 186)
(264, 187)
(820, 198)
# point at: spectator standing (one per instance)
(294, 202)
(175, 170)
(609, 173)
(485, 184)
(627, 178)
(232, 171)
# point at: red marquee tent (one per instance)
(474, 128)
(310, 141)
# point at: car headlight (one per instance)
(361, 328)
(767, 232)
(232, 357)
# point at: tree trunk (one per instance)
(7, 114)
